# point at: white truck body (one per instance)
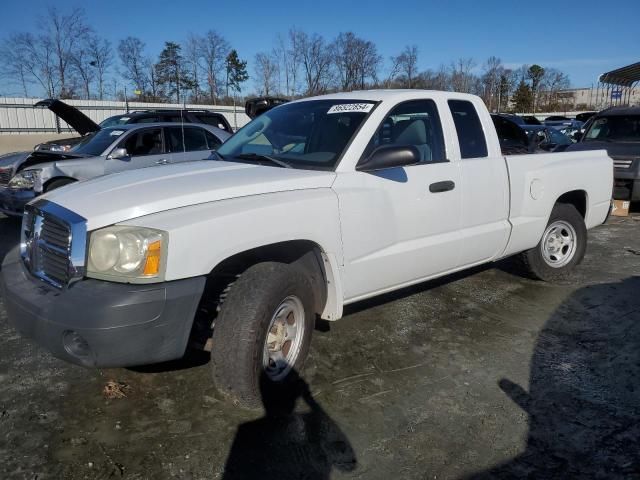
(378, 234)
(319, 203)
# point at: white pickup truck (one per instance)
(313, 205)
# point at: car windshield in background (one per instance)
(311, 134)
(619, 128)
(95, 144)
(115, 121)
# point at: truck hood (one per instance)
(116, 198)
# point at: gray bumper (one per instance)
(627, 183)
(12, 202)
(101, 324)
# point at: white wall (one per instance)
(17, 115)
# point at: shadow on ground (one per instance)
(583, 400)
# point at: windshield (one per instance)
(311, 134)
(94, 144)
(115, 121)
(622, 128)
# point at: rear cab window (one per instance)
(473, 143)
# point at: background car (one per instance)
(111, 150)
(617, 130)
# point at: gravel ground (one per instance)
(485, 374)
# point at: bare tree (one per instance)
(356, 60)
(491, 81)
(65, 34)
(266, 73)
(101, 56)
(213, 53)
(82, 65)
(315, 58)
(462, 79)
(16, 65)
(405, 66)
(131, 52)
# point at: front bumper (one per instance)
(12, 202)
(627, 183)
(101, 324)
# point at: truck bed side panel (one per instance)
(538, 180)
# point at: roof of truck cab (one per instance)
(389, 95)
(615, 111)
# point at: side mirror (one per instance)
(390, 156)
(119, 154)
(576, 136)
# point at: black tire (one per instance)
(240, 329)
(533, 261)
(53, 184)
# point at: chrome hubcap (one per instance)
(284, 339)
(559, 244)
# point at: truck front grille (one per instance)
(53, 243)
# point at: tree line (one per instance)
(68, 59)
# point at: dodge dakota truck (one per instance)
(315, 204)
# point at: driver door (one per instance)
(400, 225)
(146, 148)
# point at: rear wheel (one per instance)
(263, 331)
(561, 248)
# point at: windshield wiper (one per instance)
(258, 157)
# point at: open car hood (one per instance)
(257, 106)
(74, 117)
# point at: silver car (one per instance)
(110, 150)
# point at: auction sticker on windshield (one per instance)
(116, 133)
(351, 107)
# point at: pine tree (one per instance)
(172, 76)
(522, 97)
(236, 72)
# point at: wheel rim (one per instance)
(559, 244)
(284, 339)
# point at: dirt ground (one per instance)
(482, 375)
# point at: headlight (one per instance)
(26, 179)
(127, 254)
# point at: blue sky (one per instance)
(582, 38)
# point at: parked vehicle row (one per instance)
(122, 142)
(313, 205)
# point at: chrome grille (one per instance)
(623, 162)
(53, 243)
(5, 176)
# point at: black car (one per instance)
(525, 138)
(257, 106)
(617, 130)
(84, 125)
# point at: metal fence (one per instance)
(17, 115)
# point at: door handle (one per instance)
(444, 186)
(164, 161)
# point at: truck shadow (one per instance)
(583, 401)
(286, 442)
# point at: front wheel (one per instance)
(561, 248)
(263, 331)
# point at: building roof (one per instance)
(624, 76)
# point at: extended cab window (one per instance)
(412, 123)
(144, 142)
(469, 129)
